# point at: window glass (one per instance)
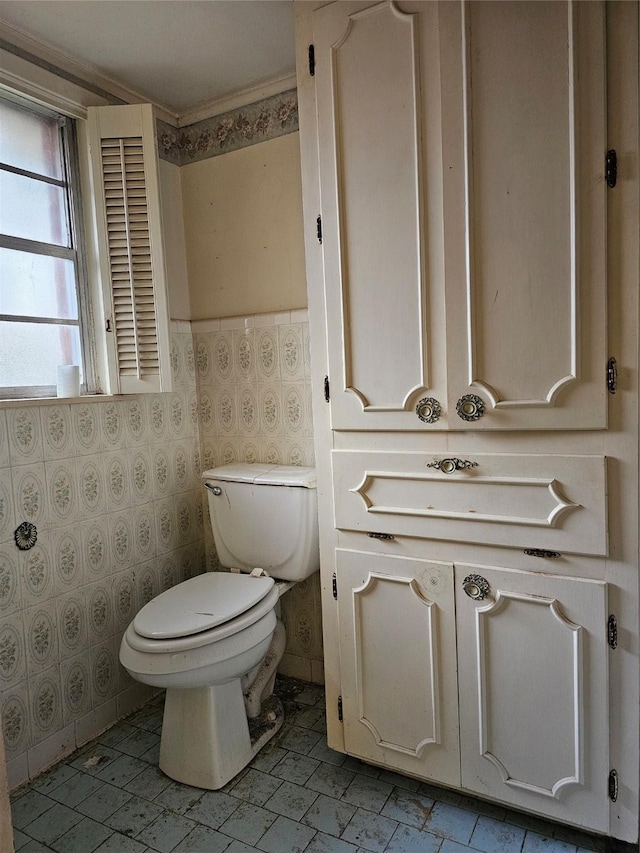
(25, 285)
(40, 265)
(31, 352)
(33, 210)
(30, 141)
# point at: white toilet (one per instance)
(214, 641)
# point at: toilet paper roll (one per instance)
(68, 380)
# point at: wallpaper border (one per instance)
(266, 119)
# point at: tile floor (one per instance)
(298, 795)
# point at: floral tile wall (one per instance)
(114, 491)
(113, 487)
(254, 392)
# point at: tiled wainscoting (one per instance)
(298, 795)
(113, 487)
(254, 389)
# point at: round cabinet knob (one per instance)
(470, 407)
(476, 587)
(428, 410)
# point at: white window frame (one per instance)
(103, 369)
(70, 184)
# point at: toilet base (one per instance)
(263, 727)
(206, 739)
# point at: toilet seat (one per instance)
(200, 611)
(200, 603)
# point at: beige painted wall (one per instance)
(243, 231)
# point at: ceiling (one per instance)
(177, 53)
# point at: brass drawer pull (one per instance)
(448, 466)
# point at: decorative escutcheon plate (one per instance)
(470, 407)
(476, 587)
(428, 410)
(25, 535)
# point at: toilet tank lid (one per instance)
(199, 604)
(264, 474)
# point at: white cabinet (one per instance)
(461, 157)
(555, 502)
(466, 260)
(533, 670)
(398, 651)
(531, 660)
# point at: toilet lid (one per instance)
(200, 604)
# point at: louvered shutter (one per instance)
(126, 186)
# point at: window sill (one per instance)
(21, 402)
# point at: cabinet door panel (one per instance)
(397, 651)
(373, 161)
(525, 205)
(533, 693)
(555, 502)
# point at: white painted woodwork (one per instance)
(535, 354)
(397, 649)
(523, 209)
(129, 231)
(376, 221)
(524, 142)
(554, 502)
(533, 662)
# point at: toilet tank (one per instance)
(265, 516)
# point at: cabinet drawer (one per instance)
(512, 499)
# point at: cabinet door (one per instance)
(398, 663)
(461, 158)
(533, 669)
(377, 88)
(523, 93)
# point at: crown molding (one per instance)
(235, 100)
(82, 75)
(20, 77)
(17, 42)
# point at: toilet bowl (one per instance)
(173, 643)
(200, 654)
(214, 642)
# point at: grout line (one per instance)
(365, 788)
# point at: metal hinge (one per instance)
(312, 60)
(613, 785)
(612, 376)
(611, 168)
(319, 229)
(612, 631)
(340, 708)
(327, 395)
(334, 586)
(107, 325)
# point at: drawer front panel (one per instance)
(517, 500)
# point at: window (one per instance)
(41, 266)
(47, 298)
